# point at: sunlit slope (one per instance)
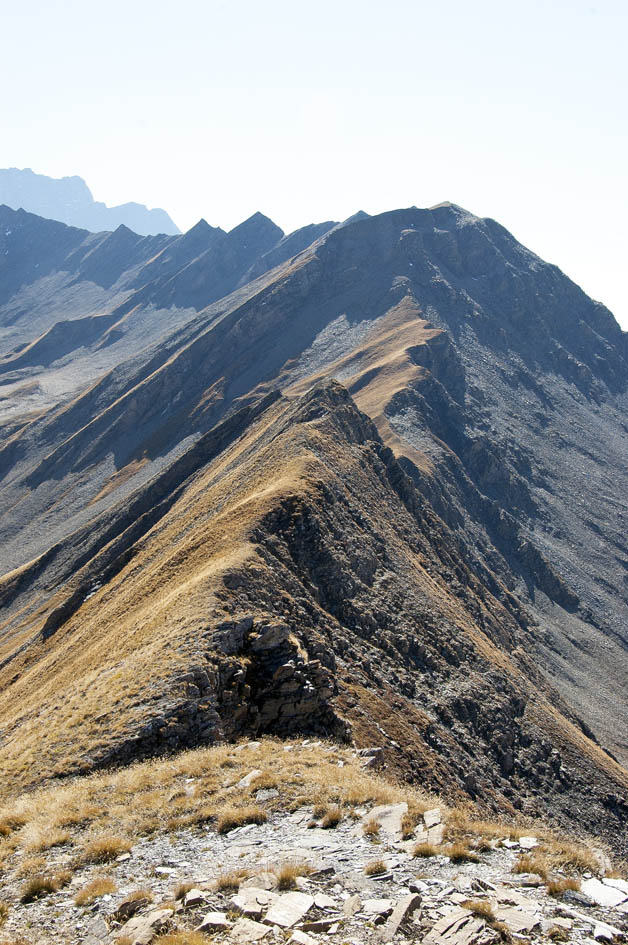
(296, 583)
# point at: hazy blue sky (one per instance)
(307, 112)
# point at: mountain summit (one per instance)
(363, 480)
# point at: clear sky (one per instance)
(311, 111)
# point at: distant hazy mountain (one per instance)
(69, 200)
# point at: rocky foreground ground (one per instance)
(351, 872)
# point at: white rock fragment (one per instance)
(528, 843)
(402, 911)
(252, 900)
(246, 930)
(214, 922)
(432, 817)
(194, 897)
(602, 893)
(377, 906)
(141, 929)
(389, 817)
(289, 909)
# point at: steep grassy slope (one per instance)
(295, 584)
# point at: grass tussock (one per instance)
(480, 908)
(11, 823)
(99, 886)
(43, 884)
(105, 848)
(132, 903)
(460, 853)
(371, 828)
(375, 868)
(413, 817)
(37, 839)
(574, 856)
(230, 880)
(231, 817)
(158, 794)
(425, 850)
(533, 863)
(288, 873)
(4, 913)
(557, 885)
(331, 818)
(31, 865)
(181, 891)
(558, 934)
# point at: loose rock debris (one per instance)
(432, 901)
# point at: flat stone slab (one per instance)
(248, 779)
(620, 884)
(458, 927)
(214, 922)
(252, 900)
(432, 817)
(402, 911)
(528, 843)
(377, 906)
(389, 817)
(142, 929)
(352, 905)
(602, 893)
(517, 920)
(194, 897)
(323, 901)
(246, 930)
(289, 909)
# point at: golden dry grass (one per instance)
(42, 884)
(31, 865)
(460, 853)
(558, 934)
(38, 838)
(480, 908)
(150, 796)
(4, 913)
(371, 828)
(331, 818)
(287, 873)
(375, 868)
(105, 813)
(105, 848)
(181, 891)
(230, 879)
(425, 850)
(99, 886)
(533, 863)
(557, 885)
(232, 817)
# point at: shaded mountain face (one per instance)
(69, 200)
(371, 484)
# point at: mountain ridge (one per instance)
(370, 451)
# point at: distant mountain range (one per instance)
(364, 480)
(69, 200)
